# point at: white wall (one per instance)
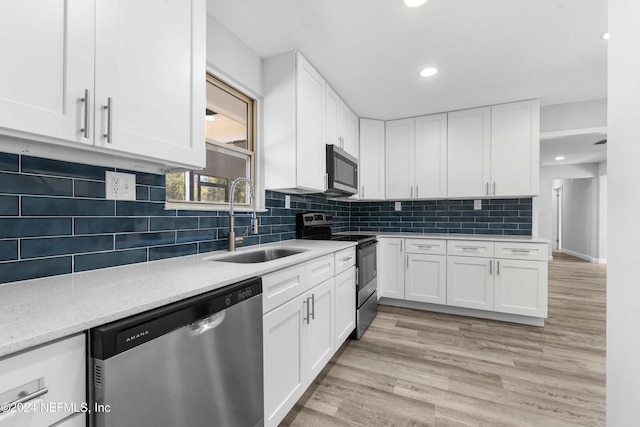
(580, 217)
(623, 272)
(232, 60)
(575, 115)
(543, 204)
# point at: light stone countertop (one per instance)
(454, 236)
(33, 312)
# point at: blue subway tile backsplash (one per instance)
(54, 219)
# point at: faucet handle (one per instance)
(246, 232)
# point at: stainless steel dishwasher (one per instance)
(197, 362)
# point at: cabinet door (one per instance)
(310, 152)
(344, 116)
(353, 142)
(469, 152)
(331, 107)
(150, 63)
(430, 158)
(391, 268)
(399, 163)
(426, 279)
(470, 282)
(320, 328)
(515, 149)
(284, 344)
(48, 56)
(372, 159)
(345, 304)
(521, 287)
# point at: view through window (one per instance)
(230, 133)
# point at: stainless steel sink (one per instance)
(262, 255)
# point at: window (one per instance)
(230, 121)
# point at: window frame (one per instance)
(252, 152)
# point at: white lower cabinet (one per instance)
(470, 282)
(391, 268)
(498, 276)
(284, 342)
(55, 374)
(301, 334)
(345, 297)
(520, 287)
(426, 278)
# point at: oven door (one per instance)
(342, 172)
(367, 264)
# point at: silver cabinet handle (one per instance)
(87, 106)
(521, 251)
(417, 191)
(490, 267)
(426, 246)
(347, 258)
(23, 398)
(362, 191)
(412, 191)
(313, 306)
(487, 188)
(469, 248)
(494, 188)
(306, 303)
(498, 267)
(109, 108)
(407, 260)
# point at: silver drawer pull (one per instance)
(86, 100)
(109, 108)
(24, 398)
(469, 248)
(521, 251)
(347, 258)
(426, 246)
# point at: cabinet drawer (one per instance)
(281, 286)
(426, 246)
(517, 250)
(345, 259)
(320, 269)
(59, 368)
(470, 248)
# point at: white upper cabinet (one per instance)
(143, 59)
(515, 149)
(469, 156)
(494, 151)
(149, 96)
(417, 157)
(430, 157)
(47, 54)
(372, 170)
(339, 122)
(398, 153)
(294, 113)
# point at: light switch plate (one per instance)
(398, 206)
(287, 201)
(120, 186)
(477, 205)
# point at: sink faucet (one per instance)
(232, 234)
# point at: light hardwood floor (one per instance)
(415, 368)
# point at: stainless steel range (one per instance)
(317, 226)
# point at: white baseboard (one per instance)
(579, 255)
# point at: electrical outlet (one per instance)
(477, 205)
(398, 206)
(287, 202)
(120, 186)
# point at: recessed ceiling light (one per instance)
(428, 72)
(605, 36)
(560, 158)
(414, 3)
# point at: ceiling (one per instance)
(487, 52)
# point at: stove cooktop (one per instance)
(352, 237)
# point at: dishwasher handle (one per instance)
(201, 326)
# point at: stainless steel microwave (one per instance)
(342, 172)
